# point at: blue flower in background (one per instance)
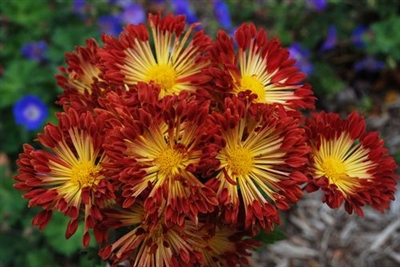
(330, 40)
(302, 57)
(358, 34)
(369, 64)
(79, 8)
(319, 5)
(35, 51)
(222, 14)
(133, 14)
(110, 24)
(30, 112)
(183, 7)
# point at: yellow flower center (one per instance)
(163, 75)
(168, 162)
(84, 173)
(334, 169)
(251, 82)
(240, 161)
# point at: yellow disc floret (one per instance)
(163, 75)
(169, 161)
(84, 173)
(334, 169)
(251, 82)
(240, 161)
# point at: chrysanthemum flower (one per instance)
(80, 79)
(153, 243)
(150, 244)
(157, 149)
(221, 246)
(68, 178)
(175, 65)
(261, 66)
(263, 159)
(349, 164)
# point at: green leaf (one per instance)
(55, 235)
(271, 237)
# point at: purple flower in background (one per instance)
(222, 14)
(358, 34)
(110, 24)
(319, 5)
(183, 7)
(34, 50)
(302, 57)
(30, 112)
(133, 14)
(330, 40)
(369, 64)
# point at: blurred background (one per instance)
(350, 51)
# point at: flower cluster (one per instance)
(189, 147)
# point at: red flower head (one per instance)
(221, 246)
(261, 66)
(349, 164)
(153, 243)
(263, 159)
(149, 243)
(68, 178)
(175, 65)
(81, 80)
(156, 150)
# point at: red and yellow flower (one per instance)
(68, 178)
(175, 65)
(81, 79)
(261, 66)
(221, 246)
(349, 164)
(157, 150)
(150, 244)
(261, 164)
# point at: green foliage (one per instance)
(271, 237)
(386, 38)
